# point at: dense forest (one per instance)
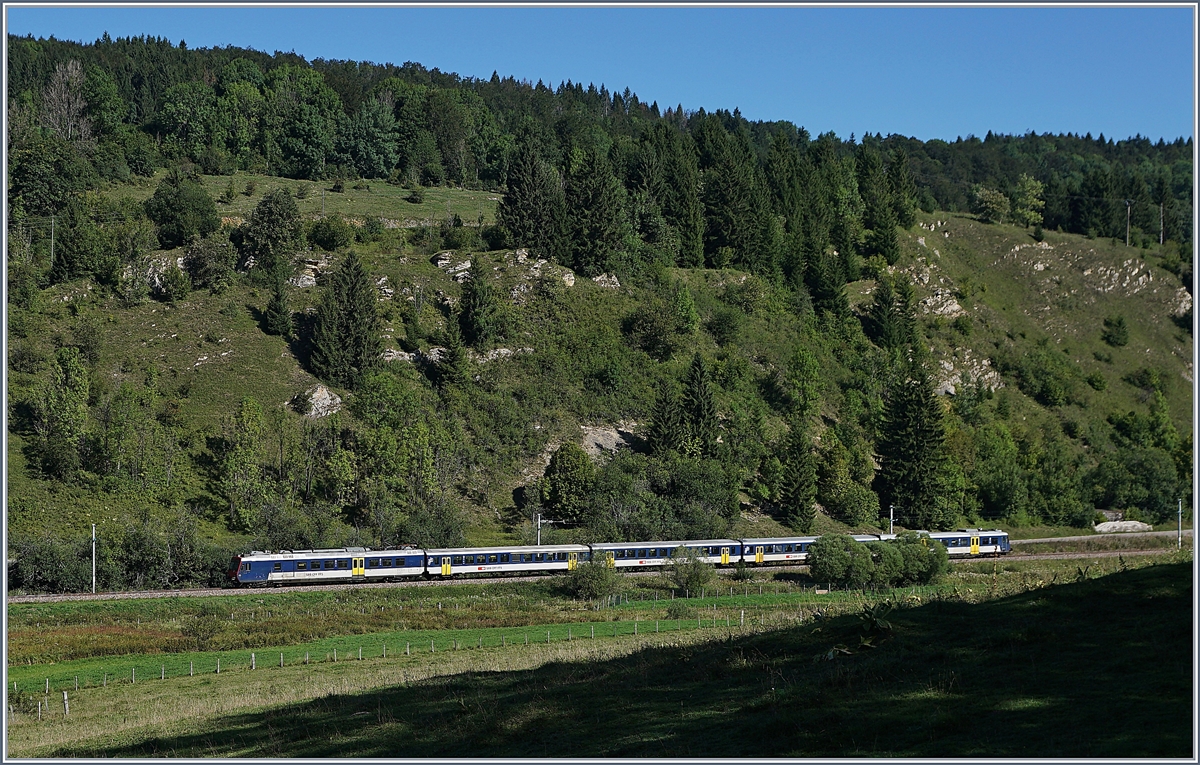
(835, 413)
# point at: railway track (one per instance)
(211, 591)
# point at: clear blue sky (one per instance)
(924, 72)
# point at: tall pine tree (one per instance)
(480, 309)
(903, 189)
(532, 210)
(700, 408)
(346, 340)
(879, 216)
(799, 485)
(667, 428)
(910, 448)
(595, 204)
(278, 316)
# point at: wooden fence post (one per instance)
(252, 660)
(66, 705)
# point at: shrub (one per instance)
(836, 558)
(725, 325)
(331, 233)
(181, 209)
(593, 580)
(416, 196)
(690, 572)
(924, 559)
(1116, 331)
(887, 563)
(1097, 381)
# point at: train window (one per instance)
(278, 566)
(492, 559)
(387, 562)
(787, 548)
(373, 563)
(457, 560)
(527, 558)
(341, 564)
(302, 565)
(504, 558)
(433, 561)
(328, 564)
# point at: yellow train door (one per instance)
(446, 566)
(358, 567)
(758, 555)
(572, 561)
(724, 556)
(610, 559)
(974, 545)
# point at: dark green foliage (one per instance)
(480, 315)
(838, 559)
(568, 482)
(1142, 479)
(690, 572)
(891, 320)
(1044, 373)
(798, 489)
(210, 263)
(593, 580)
(903, 188)
(331, 233)
(272, 234)
(924, 559)
(668, 431)
(533, 211)
(173, 284)
(1116, 331)
(910, 450)
(724, 325)
(879, 213)
(990, 205)
(181, 209)
(700, 409)
(595, 211)
(278, 315)
(452, 368)
(346, 343)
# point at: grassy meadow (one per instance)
(988, 662)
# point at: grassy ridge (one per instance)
(1000, 677)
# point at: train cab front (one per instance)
(231, 572)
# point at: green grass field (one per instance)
(1005, 658)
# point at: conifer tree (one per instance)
(903, 189)
(532, 210)
(799, 489)
(879, 216)
(62, 413)
(346, 341)
(891, 321)
(910, 447)
(278, 315)
(595, 204)
(667, 428)
(452, 368)
(479, 318)
(700, 408)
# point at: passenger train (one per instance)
(361, 564)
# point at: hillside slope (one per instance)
(579, 359)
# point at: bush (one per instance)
(593, 580)
(725, 325)
(331, 233)
(836, 558)
(1116, 331)
(181, 209)
(690, 572)
(925, 559)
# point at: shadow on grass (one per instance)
(1091, 669)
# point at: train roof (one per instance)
(973, 532)
(672, 544)
(777, 540)
(333, 551)
(506, 549)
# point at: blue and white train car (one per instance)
(965, 543)
(514, 559)
(777, 549)
(345, 564)
(721, 552)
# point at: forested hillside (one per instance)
(211, 251)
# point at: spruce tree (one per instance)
(278, 316)
(910, 446)
(452, 368)
(595, 204)
(879, 217)
(479, 318)
(667, 428)
(700, 408)
(799, 485)
(346, 340)
(532, 210)
(903, 189)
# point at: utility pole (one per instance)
(93, 559)
(539, 521)
(891, 517)
(1128, 203)
(1179, 542)
(51, 241)
(1161, 222)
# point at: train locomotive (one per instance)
(361, 564)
